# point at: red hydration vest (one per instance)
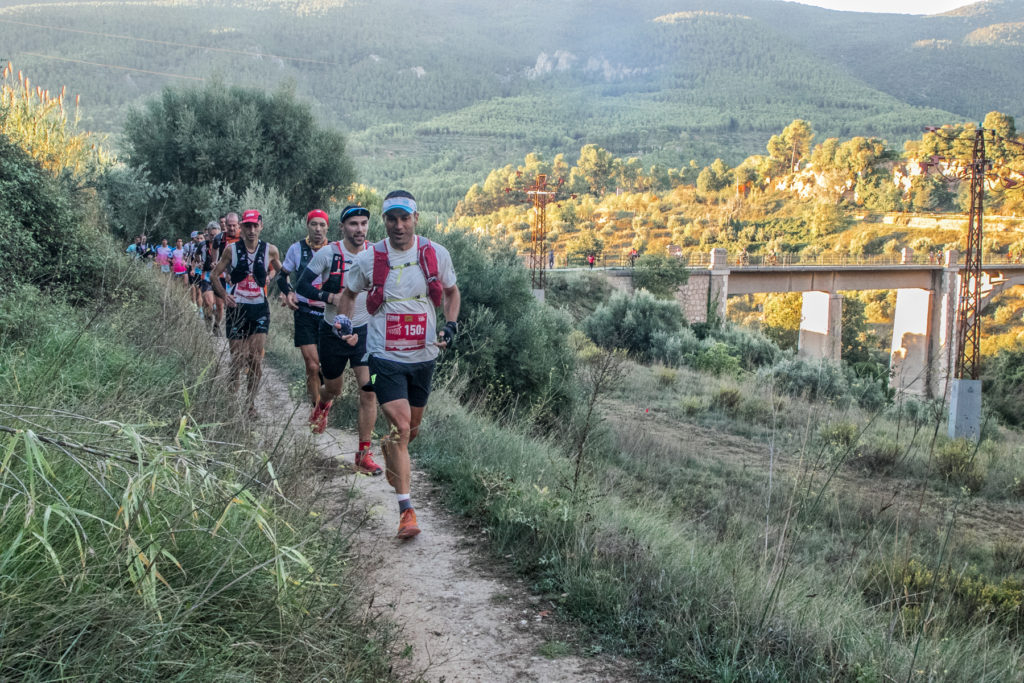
(426, 256)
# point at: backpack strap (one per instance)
(428, 264)
(381, 269)
(336, 277)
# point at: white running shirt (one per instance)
(404, 329)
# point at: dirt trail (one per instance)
(461, 618)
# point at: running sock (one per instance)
(364, 446)
(403, 502)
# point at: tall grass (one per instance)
(146, 533)
(686, 555)
(38, 121)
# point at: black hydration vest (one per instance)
(259, 267)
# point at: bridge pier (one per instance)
(923, 338)
(718, 290)
(821, 326)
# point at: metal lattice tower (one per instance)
(540, 194)
(968, 314)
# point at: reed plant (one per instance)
(147, 531)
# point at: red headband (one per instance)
(317, 213)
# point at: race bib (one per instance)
(248, 288)
(405, 331)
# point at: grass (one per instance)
(725, 532)
(147, 532)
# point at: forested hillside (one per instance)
(473, 86)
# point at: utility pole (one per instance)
(540, 195)
(965, 395)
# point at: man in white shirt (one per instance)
(405, 278)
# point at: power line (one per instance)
(170, 43)
(114, 66)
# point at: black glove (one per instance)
(451, 328)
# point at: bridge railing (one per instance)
(703, 260)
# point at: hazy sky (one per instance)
(901, 6)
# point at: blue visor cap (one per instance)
(354, 211)
(406, 204)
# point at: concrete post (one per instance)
(718, 291)
(906, 256)
(821, 326)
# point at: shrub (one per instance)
(692, 405)
(578, 293)
(511, 348)
(727, 399)
(660, 274)
(665, 377)
(43, 228)
(676, 349)
(1002, 377)
(878, 456)
(190, 137)
(839, 436)
(813, 380)
(956, 462)
(633, 323)
(753, 349)
(718, 360)
(970, 597)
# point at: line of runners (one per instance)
(369, 307)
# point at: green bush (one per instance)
(878, 456)
(676, 349)
(727, 400)
(956, 461)
(968, 596)
(633, 323)
(190, 138)
(578, 293)
(45, 237)
(839, 436)
(511, 348)
(718, 360)
(660, 274)
(813, 380)
(665, 377)
(1002, 377)
(753, 349)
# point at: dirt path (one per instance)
(462, 619)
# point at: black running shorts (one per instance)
(307, 326)
(392, 381)
(335, 354)
(245, 320)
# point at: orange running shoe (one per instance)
(407, 525)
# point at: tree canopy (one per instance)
(219, 141)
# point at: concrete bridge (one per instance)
(927, 299)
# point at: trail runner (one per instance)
(308, 314)
(330, 266)
(406, 277)
(248, 264)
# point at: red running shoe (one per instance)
(318, 420)
(365, 463)
(407, 525)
